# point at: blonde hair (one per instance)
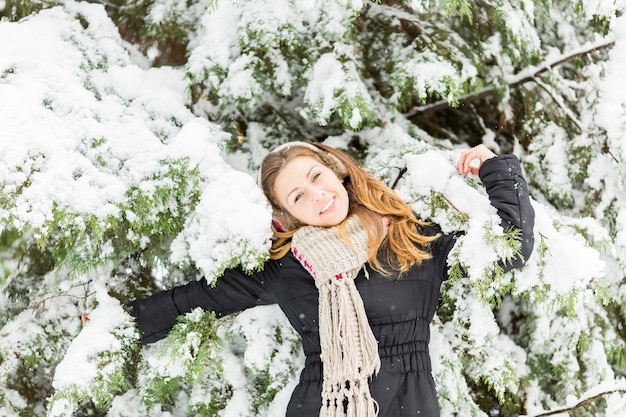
(400, 246)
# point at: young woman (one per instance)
(357, 275)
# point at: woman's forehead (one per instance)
(298, 166)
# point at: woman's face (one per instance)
(311, 192)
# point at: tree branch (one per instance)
(521, 77)
(560, 103)
(401, 172)
(581, 403)
(41, 305)
(463, 215)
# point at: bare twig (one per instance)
(613, 156)
(43, 305)
(401, 172)
(463, 215)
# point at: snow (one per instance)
(570, 263)
(48, 137)
(75, 142)
(220, 28)
(96, 337)
(334, 85)
(328, 72)
(517, 22)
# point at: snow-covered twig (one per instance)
(463, 215)
(530, 73)
(581, 403)
(559, 101)
(41, 305)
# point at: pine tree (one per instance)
(131, 133)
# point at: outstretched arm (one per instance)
(234, 291)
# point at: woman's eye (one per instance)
(295, 200)
(316, 176)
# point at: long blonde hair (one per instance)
(400, 245)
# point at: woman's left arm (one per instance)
(508, 193)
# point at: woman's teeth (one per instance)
(327, 206)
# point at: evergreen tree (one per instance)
(131, 133)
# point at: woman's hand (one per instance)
(466, 164)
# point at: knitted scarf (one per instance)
(349, 349)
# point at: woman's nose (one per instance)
(318, 193)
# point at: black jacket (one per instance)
(399, 311)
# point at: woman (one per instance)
(357, 275)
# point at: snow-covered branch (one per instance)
(559, 101)
(529, 74)
(581, 403)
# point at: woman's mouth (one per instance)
(328, 205)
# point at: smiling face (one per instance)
(311, 192)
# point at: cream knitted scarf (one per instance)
(349, 349)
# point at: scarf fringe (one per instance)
(349, 402)
(350, 350)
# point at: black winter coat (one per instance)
(399, 311)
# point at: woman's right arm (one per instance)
(234, 291)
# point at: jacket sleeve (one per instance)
(234, 291)
(508, 193)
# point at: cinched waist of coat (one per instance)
(404, 357)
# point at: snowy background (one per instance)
(115, 185)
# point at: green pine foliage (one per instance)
(186, 359)
(14, 10)
(148, 105)
(106, 368)
(195, 342)
(268, 367)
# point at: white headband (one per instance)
(286, 146)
